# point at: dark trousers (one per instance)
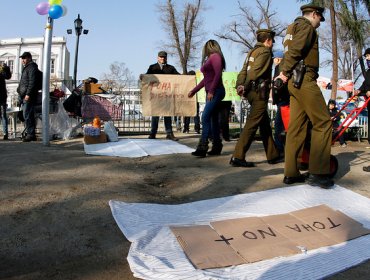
(223, 118)
(258, 118)
(368, 122)
(196, 121)
(167, 125)
(308, 104)
(29, 118)
(279, 128)
(187, 123)
(4, 118)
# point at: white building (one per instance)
(11, 49)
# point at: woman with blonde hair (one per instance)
(213, 64)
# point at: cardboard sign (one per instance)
(259, 238)
(255, 240)
(167, 95)
(333, 224)
(218, 252)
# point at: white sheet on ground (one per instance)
(156, 254)
(137, 148)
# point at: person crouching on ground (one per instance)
(213, 63)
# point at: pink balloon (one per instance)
(43, 8)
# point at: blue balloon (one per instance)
(55, 11)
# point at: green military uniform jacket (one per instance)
(300, 43)
(258, 65)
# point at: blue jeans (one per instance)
(29, 118)
(210, 117)
(4, 118)
(167, 125)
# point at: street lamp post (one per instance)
(78, 30)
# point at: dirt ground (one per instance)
(55, 222)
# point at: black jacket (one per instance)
(5, 74)
(280, 96)
(156, 69)
(28, 83)
(366, 84)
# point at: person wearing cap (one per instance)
(5, 74)
(161, 67)
(364, 90)
(253, 82)
(301, 51)
(280, 97)
(27, 91)
(336, 119)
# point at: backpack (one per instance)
(39, 79)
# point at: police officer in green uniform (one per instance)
(300, 69)
(254, 82)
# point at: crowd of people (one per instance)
(293, 84)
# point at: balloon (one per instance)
(64, 10)
(55, 2)
(55, 11)
(42, 8)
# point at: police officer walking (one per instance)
(254, 83)
(300, 68)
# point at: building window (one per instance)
(52, 66)
(11, 65)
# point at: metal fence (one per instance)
(133, 122)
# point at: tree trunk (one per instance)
(335, 51)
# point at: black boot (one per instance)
(172, 137)
(216, 149)
(201, 150)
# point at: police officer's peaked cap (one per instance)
(268, 31)
(367, 51)
(314, 8)
(272, 33)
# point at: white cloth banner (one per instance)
(156, 254)
(137, 148)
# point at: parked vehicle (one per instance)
(133, 114)
(350, 107)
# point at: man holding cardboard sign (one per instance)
(161, 67)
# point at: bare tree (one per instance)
(243, 29)
(118, 78)
(352, 30)
(184, 29)
(356, 23)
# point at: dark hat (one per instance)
(162, 54)
(332, 101)
(268, 31)
(272, 33)
(26, 55)
(367, 51)
(314, 8)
